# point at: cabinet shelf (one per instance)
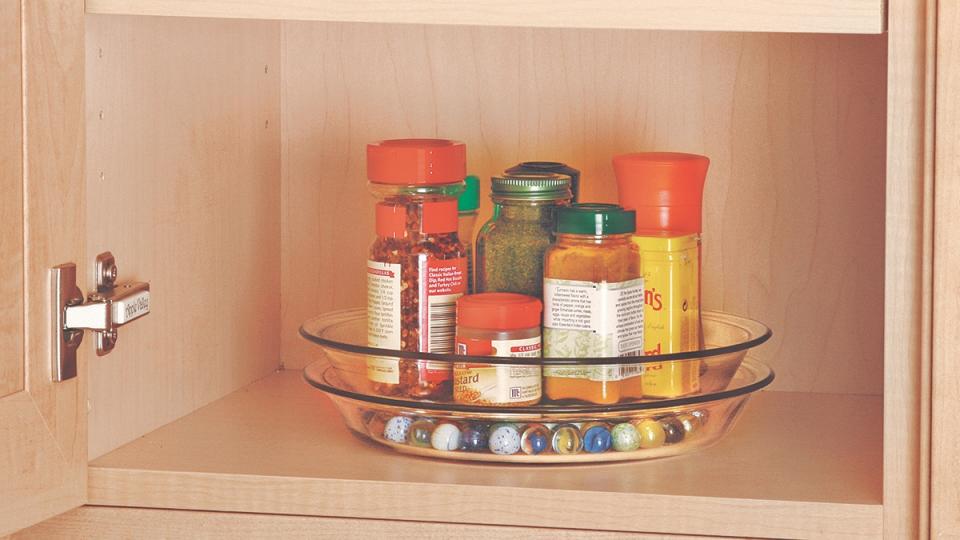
(279, 447)
(820, 16)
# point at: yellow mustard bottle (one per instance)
(666, 190)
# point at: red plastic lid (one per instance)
(416, 161)
(498, 311)
(665, 188)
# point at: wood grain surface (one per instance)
(183, 187)
(107, 523)
(43, 429)
(945, 471)
(11, 202)
(848, 16)
(776, 479)
(794, 125)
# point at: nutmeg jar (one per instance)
(417, 268)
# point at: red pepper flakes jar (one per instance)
(417, 268)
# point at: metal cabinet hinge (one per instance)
(104, 311)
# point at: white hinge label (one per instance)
(131, 308)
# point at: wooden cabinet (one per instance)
(216, 148)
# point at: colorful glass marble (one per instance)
(474, 438)
(446, 437)
(625, 437)
(691, 424)
(596, 437)
(673, 429)
(651, 433)
(566, 439)
(420, 433)
(535, 439)
(504, 439)
(397, 429)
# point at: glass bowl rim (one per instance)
(336, 317)
(763, 376)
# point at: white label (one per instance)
(383, 319)
(383, 305)
(586, 319)
(130, 308)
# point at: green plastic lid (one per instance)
(469, 200)
(531, 186)
(596, 219)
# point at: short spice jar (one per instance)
(593, 304)
(417, 267)
(510, 246)
(503, 325)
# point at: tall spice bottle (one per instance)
(666, 190)
(417, 268)
(593, 304)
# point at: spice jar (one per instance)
(593, 304)
(666, 190)
(511, 245)
(550, 167)
(467, 205)
(417, 267)
(497, 324)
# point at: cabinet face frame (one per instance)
(43, 427)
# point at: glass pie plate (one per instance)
(564, 431)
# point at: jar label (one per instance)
(671, 319)
(486, 384)
(444, 282)
(383, 319)
(593, 320)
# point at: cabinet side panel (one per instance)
(183, 187)
(793, 124)
(945, 489)
(11, 202)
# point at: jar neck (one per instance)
(593, 240)
(525, 210)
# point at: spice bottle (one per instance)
(467, 205)
(510, 246)
(417, 267)
(593, 304)
(497, 324)
(666, 190)
(550, 167)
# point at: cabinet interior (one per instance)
(225, 165)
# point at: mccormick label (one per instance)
(486, 384)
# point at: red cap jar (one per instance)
(503, 325)
(665, 188)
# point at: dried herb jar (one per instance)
(417, 266)
(510, 246)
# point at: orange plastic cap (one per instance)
(416, 161)
(391, 220)
(665, 188)
(439, 217)
(498, 311)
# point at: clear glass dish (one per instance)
(342, 335)
(559, 431)
(543, 434)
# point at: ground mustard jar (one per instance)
(666, 190)
(593, 304)
(504, 325)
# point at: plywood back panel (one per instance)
(794, 124)
(183, 187)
